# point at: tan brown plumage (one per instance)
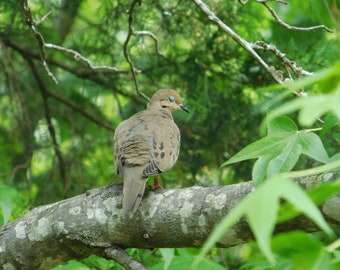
(147, 144)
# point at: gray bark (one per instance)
(93, 223)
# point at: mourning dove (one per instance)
(147, 144)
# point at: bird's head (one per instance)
(168, 99)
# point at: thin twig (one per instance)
(243, 2)
(153, 36)
(245, 44)
(43, 18)
(277, 18)
(77, 56)
(299, 72)
(288, 64)
(80, 110)
(17, 168)
(88, 74)
(133, 69)
(333, 15)
(31, 24)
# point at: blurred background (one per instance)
(56, 139)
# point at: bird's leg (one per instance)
(156, 184)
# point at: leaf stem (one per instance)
(333, 166)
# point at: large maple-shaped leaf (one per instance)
(280, 149)
(261, 208)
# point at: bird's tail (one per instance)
(133, 191)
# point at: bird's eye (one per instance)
(171, 99)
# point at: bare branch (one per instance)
(31, 24)
(277, 18)
(124, 259)
(243, 2)
(77, 56)
(43, 18)
(133, 69)
(289, 64)
(17, 168)
(89, 74)
(153, 36)
(245, 44)
(81, 111)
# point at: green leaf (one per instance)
(259, 172)
(313, 107)
(278, 130)
(71, 265)
(281, 124)
(305, 251)
(262, 147)
(335, 157)
(280, 264)
(324, 191)
(185, 262)
(280, 149)
(261, 222)
(330, 122)
(168, 255)
(9, 198)
(318, 195)
(261, 210)
(297, 197)
(312, 146)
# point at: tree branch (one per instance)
(78, 109)
(31, 24)
(277, 18)
(90, 74)
(245, 44)
(289, 64)
(277, 75)
(92, 223)
(48, 117)
(131, 32)
(77, 56)
(124, 259)
(153, 37)
(42, 45)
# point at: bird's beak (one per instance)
(184, 108)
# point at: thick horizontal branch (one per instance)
(93, 223)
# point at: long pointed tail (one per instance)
(133, 191)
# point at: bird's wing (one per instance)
(132, 144)
(165, 147)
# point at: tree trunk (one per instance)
(93, 223)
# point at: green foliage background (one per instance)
(223, 86)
